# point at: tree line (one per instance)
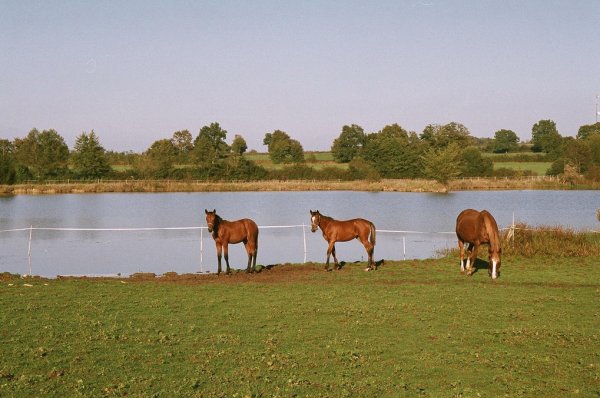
(440, 152)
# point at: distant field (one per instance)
(539, 168)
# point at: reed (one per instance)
(556, 241)
(384, 185)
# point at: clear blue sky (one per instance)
(136, 71)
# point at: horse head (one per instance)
(315, 219)
(495, 248)
(494, 260)
(212, 219)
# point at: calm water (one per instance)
(112, 252)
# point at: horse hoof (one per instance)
(367, 269)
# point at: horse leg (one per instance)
(249, 251)
(219, 251)
(337, 265)
(330, 249)
(226, 255)
(370, 250)
(461, 248)
(472, 258)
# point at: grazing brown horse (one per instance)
(225, 232)
(475, 228)
(343, 231)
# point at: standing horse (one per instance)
(343, 231)
(225, 232)
(475, 228)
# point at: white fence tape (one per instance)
(202, 228)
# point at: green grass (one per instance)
(414, 328)
(539, 168)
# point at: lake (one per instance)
(410, 225)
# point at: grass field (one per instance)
(539, 168)
(413, 328)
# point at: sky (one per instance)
(137, 71)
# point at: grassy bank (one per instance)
(414, 328)
(390, 185)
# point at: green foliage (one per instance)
(594, 143)
(182, 140)
(440, 136)
(578, 153)
(557, 167)
(210, 145)
(8, 172)
(239, 146)
(282, 148)
(349, 143)
(45, 154)
(161, 156)
(393, 153)
(588, 130)
(505, 141)
(443, 164)
(88, 158)
(546, 138)
(474, 164)
(360, 169)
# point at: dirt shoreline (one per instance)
(386, 185)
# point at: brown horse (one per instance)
(225, 232)
(476, 228)
(343, 231)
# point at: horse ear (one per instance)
(311, 212)
(205, 211)
(215, 211)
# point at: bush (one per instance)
(550, 241)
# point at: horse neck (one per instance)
(217, 225)
(324, 221)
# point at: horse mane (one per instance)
(492, 231)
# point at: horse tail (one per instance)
(373, 234)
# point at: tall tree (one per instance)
(546, 138)
(588, 130)
(210, 145)
(578, 154)
(443, 164)
(45, 154)
(182, 141)
(7, 164)
(349, 143)
(393, 153)
(505, 141)
(440, 136)
(474, 164)
(239, 146)
(89, 157)
(282, 148)
(162, 155)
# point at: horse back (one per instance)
(469, 226)
(240, 230)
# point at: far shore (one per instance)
(385, 185)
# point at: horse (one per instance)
(475, 228)
(344, 231)
(225, 232)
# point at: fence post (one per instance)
(29, 248)
(201, 248)
(304, 235)
(403, 247)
